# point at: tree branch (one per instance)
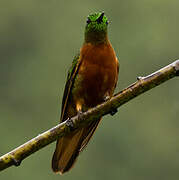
(140, 86)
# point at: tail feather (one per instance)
(69, 147)
(89, 131)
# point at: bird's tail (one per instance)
(69, 147)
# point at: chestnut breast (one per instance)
(98, 73)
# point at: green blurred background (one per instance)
(38, 40)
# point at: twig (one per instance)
(140, 86)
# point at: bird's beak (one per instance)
(100, 19)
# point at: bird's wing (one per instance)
(69, 147)
(72, 72)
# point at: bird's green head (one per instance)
(96, 28)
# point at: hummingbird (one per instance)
(91, 80)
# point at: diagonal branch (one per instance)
(140, 86)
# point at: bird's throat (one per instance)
(94, 37)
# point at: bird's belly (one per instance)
(94, 83)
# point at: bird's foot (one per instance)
(106, 98)
(80, 114)
(113, 111)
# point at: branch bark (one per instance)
(140, 86)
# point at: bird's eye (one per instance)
(88, 21)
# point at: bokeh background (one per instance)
(38, 40)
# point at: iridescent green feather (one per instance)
(96, 28)
(73, 65)
(94, 25)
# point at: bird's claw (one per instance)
(106, 98)
(80, 115)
